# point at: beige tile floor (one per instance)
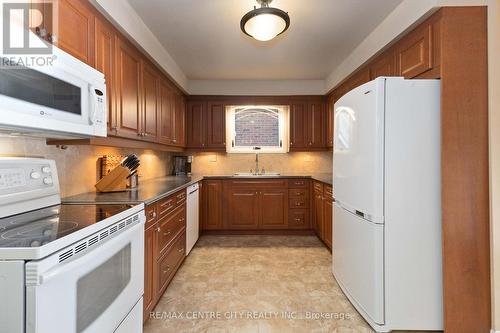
(255, 284)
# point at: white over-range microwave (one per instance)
(61, 98)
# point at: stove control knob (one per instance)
(35, 175)
(46, 169)
(47, 181)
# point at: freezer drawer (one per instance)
(358, 261)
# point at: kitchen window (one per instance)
(262, 129)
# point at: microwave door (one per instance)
(90, 292)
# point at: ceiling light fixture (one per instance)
(265, 23)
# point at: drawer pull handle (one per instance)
(181, 219)
(297, 220)
(298, 204)
(166, 270)
(167, 233)
(180, 250)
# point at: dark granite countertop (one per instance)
(152, 190)
(147, 192)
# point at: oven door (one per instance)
(91, 292)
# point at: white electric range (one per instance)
(66, 268)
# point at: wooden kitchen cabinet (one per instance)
(149, 116)
(179, 124)
(166, 117)
(385, 65)
(105, 63)
(298, 126)
(164, 246)
(273, 208)
(414, 53)
(243, 208)
(211, 205)
(327, 216)
(216, 122)
(307, 125)
(75, 33)
(196, 125)
(329, 114)
(128, 90)
(150, 280)
(317, 210)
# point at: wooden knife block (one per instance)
(114, 181)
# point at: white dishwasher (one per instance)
(193, 217)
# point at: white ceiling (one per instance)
(204, 37)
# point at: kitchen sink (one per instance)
(249, 174)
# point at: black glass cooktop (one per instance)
(42, 226)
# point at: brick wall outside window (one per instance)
(257, 127)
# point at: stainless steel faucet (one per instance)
(256, 163)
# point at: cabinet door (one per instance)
(414, 53)
(273, 208)
(212, 205)
(316, 125)
(329, 121)
(242, 208)
(196, 125)
(298, 126)
(150, 279)
(180, 120)
(216, 133)
(318, 213)
(327, 221)
(385, 65)
(104, 63)
(75, 33)
(166, 117)
(358, 79)
(150, 81)
(128, 90)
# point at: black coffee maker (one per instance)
(182, 165)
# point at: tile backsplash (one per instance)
(77, 166)
(291, 163)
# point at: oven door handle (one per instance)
(101, 253)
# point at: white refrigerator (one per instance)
(387, 213)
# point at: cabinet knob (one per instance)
(158, 229)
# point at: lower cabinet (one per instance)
(255, 204)
(323, 212)
(164, 246)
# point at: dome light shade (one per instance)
(265, 23)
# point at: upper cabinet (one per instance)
(150, 91)
(216, 133)
(166, 109)
(128, 90)
(104, 63)
(179, 124)
(307, 125)
(414, 53)
(196, 125)
(385, 65)
(75, 33)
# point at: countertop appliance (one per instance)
(66, 268)
(182, 165)
(65, 99)
(387, 224)
(193, 216)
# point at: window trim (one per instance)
(283, 118)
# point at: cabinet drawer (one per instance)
(180, 197)
(328, 191)
(318, 186)
(298, 183)
(298, 193)
(298, 219)
(165, 206)
(150, 212)
(258, 183)
(298, 203)
(169, 263)
(170, 227)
